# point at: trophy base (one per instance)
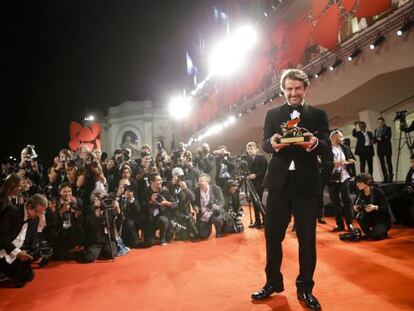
(291, 140)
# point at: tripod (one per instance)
(251, 196)
(408, 141)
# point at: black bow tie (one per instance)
(298, 108)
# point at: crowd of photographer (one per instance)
(88, 206)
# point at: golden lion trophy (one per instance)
(292, 133)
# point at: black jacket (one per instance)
(215, 195)
(384, 146)
(408, 178)
(11, 222)
(306, 163)
(361, 149)
(377, 197)
(258, 166)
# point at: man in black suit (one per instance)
(258, 167)
(294, 184)
(18, 230)
(382, 137)
(364, 146)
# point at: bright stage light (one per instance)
(231, 54)
(231, 120)
(180, 107)
(89, 118)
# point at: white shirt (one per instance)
(367, 140)
(18, 242)
(340, 156)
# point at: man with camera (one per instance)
(191, 172)
(34, 170)
(402, 201)
(64, 170)
(232, 209)
(364, 146)
(224, 166)
(182, 217)
(339, 189)
(205, 160)
(18, 231)
(100, 227)
(382, 137)
(258, 167)
(372, 211)
(131, 212)
(294, 183)
(208, 205)
(158, 206)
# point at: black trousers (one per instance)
(19, 271)
(204, 227)
(280, 207)
(387, 171)
(339, 192)
(375, 231)
(258, 216)
(364, 160)
(160, 222)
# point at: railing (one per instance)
(390, 23)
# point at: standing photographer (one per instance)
(382, 137)
(224, 166)
(191, 172)
(34, 170)
(258, 167)
(372, 209)
(64, 170)
(205, 160)
(232, 209)
(364, 146)
(208, 205)
(339, 189)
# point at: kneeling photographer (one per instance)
(182, 217)
(232, 209)
(372, 211)
(208, 206)
(159, 203)
(100, 227)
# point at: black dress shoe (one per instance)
(338, 229)
(266, 291)
(309, 300)
(322, 220)
(255, 225)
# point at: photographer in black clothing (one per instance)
(232, 209)
(382, 137)
(64, 224)
(257, 169)
(224, 166)
(182, 217)
(18, 231)
(131, 212)
(146, 167)
(159, 204)
(205, 160)
(372, 209)
(364, 146)
(100, 227)
(402, 201)
(33, 170)
(64, 170)
(191, 172)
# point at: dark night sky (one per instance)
(64, 58)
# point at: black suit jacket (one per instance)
(258, 166)
(215, 195)
(408, 178)
(384, 146)
(306, 163)
(11, 222)
(361, 149)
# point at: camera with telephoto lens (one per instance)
(214, 208)
(177, 227)
(125, 155)
(242, 165)
(354, 236)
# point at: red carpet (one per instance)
(221, 275)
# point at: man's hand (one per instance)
(275, 145)
(307, 144)
(116, 207)
(23, 256)
(111, 164)
(251, 176)
(371, 207)
(196, 209)
(351, 161)
(183, 185)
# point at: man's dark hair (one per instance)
(153, 176)
(381, 118)
(412, 157)
(294, 74)
(37, 199)
(64, 185)
(362, 122)
(364, 178)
